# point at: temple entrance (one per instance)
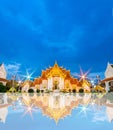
(55, 85)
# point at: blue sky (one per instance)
(35, 33)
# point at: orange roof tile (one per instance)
(107, 79)
(4, 80)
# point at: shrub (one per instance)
(69, 90)
(30, 90)
(93, 91)
(42, 91)
(81, 90)
(3, 88)
(63, 91)
(38, 90)
(74, 90)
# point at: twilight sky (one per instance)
(35, 33)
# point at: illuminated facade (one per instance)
(56, 78)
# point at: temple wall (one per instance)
(37, 86)
(74, 86)
(3, 73)
(50, 83)
(67, 85)
(61, 83)
(44, 84)
(109, 71)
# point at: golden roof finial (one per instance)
(55, 61)
(56, 64)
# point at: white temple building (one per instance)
(108, 77)
(3, 74)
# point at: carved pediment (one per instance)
(56, 72)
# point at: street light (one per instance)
(83, 77)
(13, 79)
(28, 77)
(98, 79)
(19, 83)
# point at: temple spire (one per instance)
(56, 64)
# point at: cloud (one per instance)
(12, 69)
(99, 117)
(94, 74)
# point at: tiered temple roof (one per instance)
(55, 71)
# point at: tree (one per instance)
(2, 88)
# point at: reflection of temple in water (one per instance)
(109, 111)
(3, 107)
(3, 113)
(56, 106)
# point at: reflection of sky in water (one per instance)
(84, 116)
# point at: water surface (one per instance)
(56, 111)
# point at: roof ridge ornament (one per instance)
(56, 64)
(108, 63)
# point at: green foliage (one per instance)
(42, 91)
(30, 90)
(63, 91)
(3, 88)
(12, 89)
(38, 90)
(1, 83)
(48, 91)
(69, 90)
(74, 90)
(81, 90)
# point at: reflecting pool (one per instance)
(56, 111)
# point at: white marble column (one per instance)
(50, 83)
(107, 86)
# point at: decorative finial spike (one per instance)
(56, 64)
(108, 63)
(55, 61)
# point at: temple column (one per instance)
(61, 84)
(50, 83)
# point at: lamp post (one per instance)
(98, 79)
(19, 83)
(13, 79)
